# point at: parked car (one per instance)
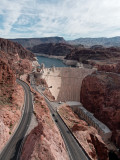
(60, 102)
(53, 115)
(56, 120)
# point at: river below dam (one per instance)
(50, 62)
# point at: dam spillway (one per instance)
(66, 82)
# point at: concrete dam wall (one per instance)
(66, 82)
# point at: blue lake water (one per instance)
(50, 62)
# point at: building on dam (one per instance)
(102, 129)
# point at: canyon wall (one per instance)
(6, 74)
(14, 60)
(18, 58)
(86, 135)
(11, 102)
(94, 53)
(12, 48)
(57, 49)
(106, 66)
(66, 82)
(100, 94)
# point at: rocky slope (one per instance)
(13, 48)
(30, 42)
(11, 102)
(83, 55)
(6, 75)
(107, 66)
(58, 49)
(100, 94)
(14, 61)
(42, 82)
(18, 58)
(44, 142)
(86, 135)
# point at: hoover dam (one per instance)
(66, 81)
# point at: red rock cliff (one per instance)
(7, 81)
(6, 74)
(11, 101)
(100, 94)
(86, 135)
(14, 48)
(18, 58)
(13, 59)
(85, 54)
(58, 49)
(113, 67)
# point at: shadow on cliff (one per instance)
(113, 156)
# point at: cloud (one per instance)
(68, 18)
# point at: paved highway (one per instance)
(74, 149)
(11, 151)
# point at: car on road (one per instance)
(56, 120)
(60, 102)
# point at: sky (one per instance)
(70, 19)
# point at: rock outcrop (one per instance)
(44, 142)
(83, 55)
(107, 66)
(13, 48)
(4, 133)
(11, 102)
(14, 60)
(6, 74)
(7, 81)
(57, 49)
(43, 83)
(100, 94)
(86, 135)
(17, 57)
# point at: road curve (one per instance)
(11, 150)
(75, 150)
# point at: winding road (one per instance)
(75, 150)
(11, 150)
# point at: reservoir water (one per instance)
(50, 62)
